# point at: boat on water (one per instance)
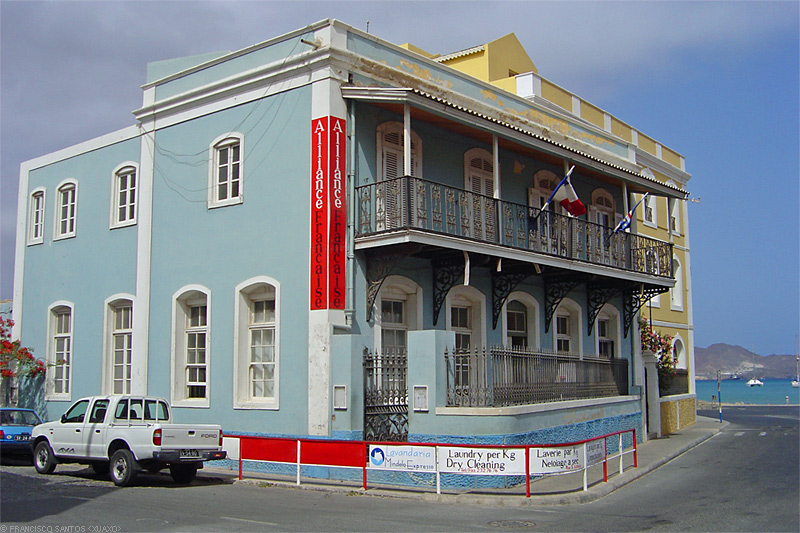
(796, 381)
(754, 381)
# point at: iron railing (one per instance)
(412, 203)
(500, 377)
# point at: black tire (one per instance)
(122, 468)
(183, 474)
(43, 459)
(100, 468)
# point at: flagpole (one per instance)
(547, 203)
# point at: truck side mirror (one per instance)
(63, 418)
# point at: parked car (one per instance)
(16, 426)
(122, 435)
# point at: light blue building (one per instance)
(328, 235)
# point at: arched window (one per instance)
(123, 198)
(36, 217)
(257, 344)
(465, 316)
(520, 321)
(390, 152)
(676, 292)
(66, 210)
(118, 345)
(479, 212)
(606, 332)
(479, 172)
(59, 353)
(226, 171)
(399, 311)
(567, 333)
(602, 210)
(191, 357)
(544, 183)
(679, 353)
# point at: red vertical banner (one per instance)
(328, 213)
(338, 214)
(319, 213)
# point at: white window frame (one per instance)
(532, 319)
(610, 314)
(246, 293)
(54, 354)
(113, 304)
(570, 308)
(403, 289)
(468, 296)
(224, 141)
(674, 207)
(124, 199)
(182, 301)
(650, 206)
(676, 293)
(36, 210)
(682, 356)
(71, 216)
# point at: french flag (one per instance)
(565, 195)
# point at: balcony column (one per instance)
(407, 140)
(496, 181)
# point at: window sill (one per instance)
(226, 203)
(125, 224)
(34, 242)
(64, 237)
(192, 404)
(263, 406)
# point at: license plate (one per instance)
(190, 453)
(23, 438)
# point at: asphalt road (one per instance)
(747, 478)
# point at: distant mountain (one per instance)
(733, 361)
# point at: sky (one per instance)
(715, 81)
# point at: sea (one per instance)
(774, 392)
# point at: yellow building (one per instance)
(505, 64)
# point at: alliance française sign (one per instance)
(328, 213)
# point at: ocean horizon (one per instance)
(773, 392)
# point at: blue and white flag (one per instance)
(626, 221)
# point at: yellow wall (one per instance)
(507, 57)
(621, 130)
(593, 114)
(677, 414)
(557, 95)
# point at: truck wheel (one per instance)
(183, 474)
(122, 468)
(43, 458)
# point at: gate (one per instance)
(385, 397)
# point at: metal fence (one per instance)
(501, 376)
(413, 203)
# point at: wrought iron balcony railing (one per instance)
(501, 376)
(409, 203)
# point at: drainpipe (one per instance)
(350, 304)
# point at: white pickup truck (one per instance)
(122, 435)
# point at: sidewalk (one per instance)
(551, 490)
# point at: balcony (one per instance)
(501, 377)
(415, 206)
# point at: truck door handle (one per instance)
(97, 431)
(77, 431)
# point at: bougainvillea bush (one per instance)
(661, 346)
(15, 359)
